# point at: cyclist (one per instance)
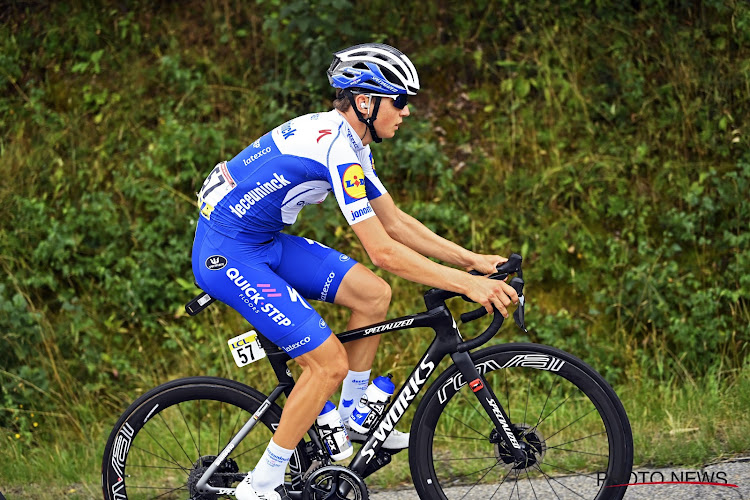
(241, 257)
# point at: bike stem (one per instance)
(489, 401)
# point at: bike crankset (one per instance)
(335, 482)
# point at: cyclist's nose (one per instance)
(405, 111)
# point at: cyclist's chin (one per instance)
(388, 134)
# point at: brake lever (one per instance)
(518, 314)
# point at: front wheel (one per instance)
(164, 441)
(566, 417)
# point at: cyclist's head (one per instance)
(375, 70)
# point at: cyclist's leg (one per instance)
(367, 296)
(322, 273)
(239, 275)
(323, 369)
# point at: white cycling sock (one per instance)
(269, 473)
(355, 384)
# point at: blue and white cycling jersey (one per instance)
(240, 255)
(262, 189)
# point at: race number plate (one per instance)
(246, 348)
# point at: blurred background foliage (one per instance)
(605, 141)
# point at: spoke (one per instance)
(572, 472)
(170, 460)
(541, 413)
(234, 426)
(565, 486)
(539, 422)
(507, 391)
(174, 460)
(547, 478)
(249, 450)
(501, 483)
(473, 472)
(525, 410)
(577, 451)
(138, 466)
(575, 440)
(167, 490)
(573, 422)
(530, 483)
(493, 457)
(480, 479)
(187, 426)
(465, 424)
(174, 437)
(443, 436)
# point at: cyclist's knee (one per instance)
(375, 297)
(329, 363)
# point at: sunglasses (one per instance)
(399, 100)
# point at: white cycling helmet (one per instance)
(376, 67)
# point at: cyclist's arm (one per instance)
(407, 230)
(397, 258)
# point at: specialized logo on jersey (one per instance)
(353, 181)
(323, 133)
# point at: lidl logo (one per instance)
(353, 180)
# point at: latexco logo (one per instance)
(291, 347)
(329, 280)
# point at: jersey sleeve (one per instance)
(349, 182)
(373, 186)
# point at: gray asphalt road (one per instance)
(732, 473)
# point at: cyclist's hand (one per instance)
(492, 292)
(485, 264)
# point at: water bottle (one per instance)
(372, 404)
(333, 432)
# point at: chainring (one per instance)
(335, 482)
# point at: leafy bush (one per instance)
(606, 142)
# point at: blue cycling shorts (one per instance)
(268, 283)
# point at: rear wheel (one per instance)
(565, 416)
(164, 441)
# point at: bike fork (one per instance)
(490, 403)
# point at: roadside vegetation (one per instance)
(607, 142)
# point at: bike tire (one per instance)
(154, 448)
(561, 410)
